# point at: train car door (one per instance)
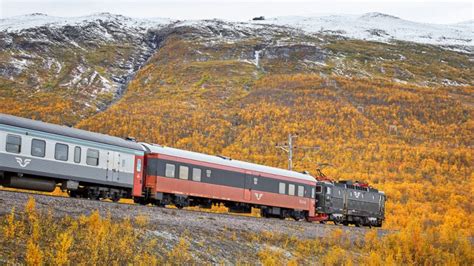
(382, 203)
(248, 187)
(345, 202)
(312, 201)
(113, 162)
(110, 163)
(117, 167)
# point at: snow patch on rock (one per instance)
(20, 64)
(19, 23)
(371, 26)
(381, 27)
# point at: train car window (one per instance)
(61, 152)
(139, 165)
(92, 157)
(312, 193)
(255, 180)
(291, 189)
(77, 154)
(208, 173)
(300, 191)
(170, 169)
(197, 174)
(38, 148)
(183, 172)
(282, 188)
(319, 189)
(13, 144)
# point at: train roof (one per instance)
(226, 162)
(350, 185)
(67, 131)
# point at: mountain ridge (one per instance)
(367, 26)
(382, 27)
(92, 60)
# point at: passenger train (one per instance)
(40, 156)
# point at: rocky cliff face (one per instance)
(86, 63)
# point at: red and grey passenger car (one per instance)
(187, 178)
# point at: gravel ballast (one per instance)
(213, 237)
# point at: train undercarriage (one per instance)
(73, 188)
(98, 192)
(181, 201)
(357, 221)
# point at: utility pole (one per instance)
(288, 148)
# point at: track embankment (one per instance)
(164, 217)
(212, 237)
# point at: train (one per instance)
(40, 156)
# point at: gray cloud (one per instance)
(421, 11)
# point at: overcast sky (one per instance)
(415, 10)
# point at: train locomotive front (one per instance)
(348, 202)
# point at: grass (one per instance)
(35, 238)
(41, 238)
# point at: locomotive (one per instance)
(40, 156)
(350, 202)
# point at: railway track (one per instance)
(170, 219)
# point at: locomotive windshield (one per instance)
(319, 189)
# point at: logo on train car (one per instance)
(258, 196)
(23, 163)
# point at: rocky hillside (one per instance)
(83, 64)
(80, 64)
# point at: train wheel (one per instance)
(140, 201)
(73, 194)
(115, 198)
(93, 196)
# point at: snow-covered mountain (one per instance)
(91, 61)
(19, 23)
(370, 26)
(381, 27)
